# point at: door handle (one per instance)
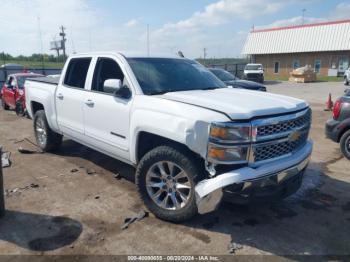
(60, 96)
(89, 102)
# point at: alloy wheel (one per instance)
(168, 185)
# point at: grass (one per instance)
(330, 79)
(35, 64)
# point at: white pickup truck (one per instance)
(193, 140)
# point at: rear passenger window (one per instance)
(77, 72)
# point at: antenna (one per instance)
(303, 16)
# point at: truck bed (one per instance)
(47, 80)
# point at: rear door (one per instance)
(107, 116)
(70, 97)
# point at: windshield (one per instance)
(253, 67)
(22, 79)
(162, 75)
(223, 75)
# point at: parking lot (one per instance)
(75, 201)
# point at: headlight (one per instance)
(229, 143)
(230, 132)
(227, 155)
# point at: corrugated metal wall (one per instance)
(326, 37)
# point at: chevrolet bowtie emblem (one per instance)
(294, 136)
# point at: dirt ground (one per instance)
(75, 201)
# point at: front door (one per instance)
(107, 116)
(70, 97)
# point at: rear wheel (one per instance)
(345, 144)
(166, 179)
(4, 106)
(346, 81)
(46, 139)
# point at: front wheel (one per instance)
(166, 178)
(345, 144)
(46, 139)
(346, 81)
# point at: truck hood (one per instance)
(238, 104)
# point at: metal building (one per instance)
(324, 46)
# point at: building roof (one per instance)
(319, 37)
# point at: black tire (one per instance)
(185, 161)
(346, 81)
(19, 109)
(345, 144)
(53, 140)
(4, 106)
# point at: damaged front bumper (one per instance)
(209, 192)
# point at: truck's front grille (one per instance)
(279, 136)
(274, 150)
(284, 126)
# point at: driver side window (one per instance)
(106, 68)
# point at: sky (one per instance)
(220, 26)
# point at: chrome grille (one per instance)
(280, 136)
(270, 151)
(285, 126)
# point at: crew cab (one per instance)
(192, 139)
(13, 92)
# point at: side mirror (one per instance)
(112, 86)
(115, 87)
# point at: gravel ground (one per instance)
(75, 201)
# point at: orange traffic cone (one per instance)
(329, 103)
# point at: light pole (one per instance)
(303, 16)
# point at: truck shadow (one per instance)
(314, 221)
(85, 157)
(38, 232)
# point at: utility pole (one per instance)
(148, 48)
(41, 47)
(303, 16)
(63, 35)
(204, 53)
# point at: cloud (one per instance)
(132, 23)
(342, 11)
(21, 34)
(192, 34)
(298, 20)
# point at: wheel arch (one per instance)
(147, 141)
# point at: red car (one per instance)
(12, 93)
